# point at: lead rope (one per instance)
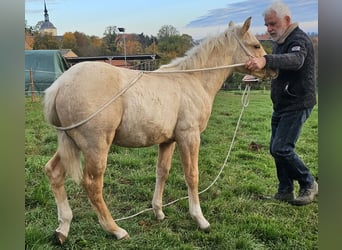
(104, 105)
(156, 72)
(245, 102)
(133, 81)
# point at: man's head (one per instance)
(277, 19)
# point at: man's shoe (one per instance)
(306, 195)
(287, 197)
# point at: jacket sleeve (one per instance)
(292, 59)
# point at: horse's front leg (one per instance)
(189, 149)
(165, 153)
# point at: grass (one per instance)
(239, 218)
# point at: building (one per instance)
(46, 27)
(68, 53)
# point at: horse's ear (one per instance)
(231, 24)
(246, 25)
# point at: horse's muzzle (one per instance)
(266, 74)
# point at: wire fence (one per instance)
(36, 81)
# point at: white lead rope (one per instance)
(244, 102)
(103, 106)
(196, 70)
(133, 81)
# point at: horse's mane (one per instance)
(197, 56)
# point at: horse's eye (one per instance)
(257, 46)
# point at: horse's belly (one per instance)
(142, 137)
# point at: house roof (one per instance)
(68, 53)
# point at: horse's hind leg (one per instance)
(95, 165)
(189, 149)
(163, 168)
(55, 170)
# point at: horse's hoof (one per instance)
(161, 218)
(122, 234)
(207, 229)
(159, 215)
(126, 237)
(60, 238)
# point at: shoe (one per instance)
(306, 195)
(287, 197)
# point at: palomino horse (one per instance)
(161, 107)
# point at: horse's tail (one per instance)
(67, 149)
(50, 111)
(70, 156)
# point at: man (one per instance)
(293, 96)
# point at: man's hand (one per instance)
(256, 63)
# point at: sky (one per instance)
(197, 18)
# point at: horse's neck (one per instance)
(212, 53)
(213, 80)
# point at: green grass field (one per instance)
(239, 218)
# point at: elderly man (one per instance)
(293, 96)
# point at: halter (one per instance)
(245, 49)
(242, 45)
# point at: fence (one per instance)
(36, 81)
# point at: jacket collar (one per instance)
(283, 37)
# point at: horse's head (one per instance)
(248, 46)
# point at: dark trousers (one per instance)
(286, 128)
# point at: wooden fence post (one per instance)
(32, 86)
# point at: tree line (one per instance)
(168, 43)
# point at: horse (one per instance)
(165, 107)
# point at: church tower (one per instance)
(46, 26)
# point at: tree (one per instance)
(146, 41)
(109, 40)
(82, 44)
(69, 41)
(171, 44)
(29, 30)
(167, 31)
(95, 46)
(133, 47)
(45, 41)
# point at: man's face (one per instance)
(276, 26)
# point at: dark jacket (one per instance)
(294, 87)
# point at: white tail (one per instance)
(67, 149)
(70, 156)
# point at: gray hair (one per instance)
(279, 8)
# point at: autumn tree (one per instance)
(133, 47)
(45, 41)
(171, 44)
(147, 42)
(69, 41)
(96, 46)
(82, 44)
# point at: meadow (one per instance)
(239, 216)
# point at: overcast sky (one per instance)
(197, 18)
